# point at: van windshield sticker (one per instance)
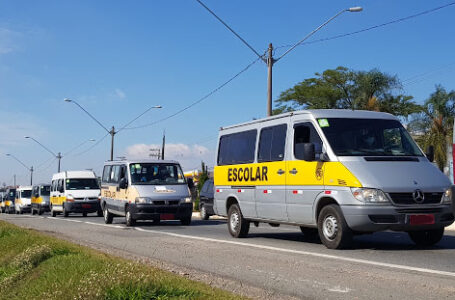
(323, 123)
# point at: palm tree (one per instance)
(435, 124)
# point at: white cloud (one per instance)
(189, 156)
(8, 39)
(120, 94)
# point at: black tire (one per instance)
(186, 221)
(108, 217)
(237, 225)
(310, 233)
(426, 238)
(99, 213)
(333, 229)
(17, 212)
(84, 214)
(204, 214)
(32, 211)
(129, 221)
(65, 212)
(40, 211)
(53, 212)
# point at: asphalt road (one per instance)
(280, 262)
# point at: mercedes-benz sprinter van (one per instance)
(334, 173)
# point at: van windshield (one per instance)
(81, 184)
(156, 173)
(45, 190)
(26, 193)
(368, 137)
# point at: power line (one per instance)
(232, 30)
(373, 27)
(423, 76)
(200, 99)
(93, 146)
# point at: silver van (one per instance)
(334, 173)
(145, 189)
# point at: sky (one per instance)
(119, 58)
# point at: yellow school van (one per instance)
(334, 173)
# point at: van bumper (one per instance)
(82, 206)
(379, 218)
(147, 211)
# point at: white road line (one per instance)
(105, 225)
(67, 220)
(320, 255)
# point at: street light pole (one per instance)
(271, 61)
(112, 132)
(30, 169)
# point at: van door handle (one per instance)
(280, 172)
(293, 171)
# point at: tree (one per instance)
(342, 88)
(434, 125)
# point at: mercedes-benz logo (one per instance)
(418, 196)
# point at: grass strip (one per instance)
(36, 266)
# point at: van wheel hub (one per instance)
(234, 221)
(330, 227)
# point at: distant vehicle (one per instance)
(334, 173)
(206, 197)
(74, 192)
(41, 198)
(10, 197)
(145, 190)
(2, 201)
(23, 199)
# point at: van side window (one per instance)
(59, 184)
(237, 148)
(305, 133)
(106, 173)
(115, 174)
(271, 143)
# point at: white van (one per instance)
(75, 192)
(23, 199)
(334, 173)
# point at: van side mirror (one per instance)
(190, 183)
(309, 153)
(123, 184)
(430, 153)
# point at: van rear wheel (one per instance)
(65, 212)
(237, 225)
(333, 229)
(204, 214)
(426, 238)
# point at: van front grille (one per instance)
(407, 199)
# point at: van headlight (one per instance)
(186, 200)
(143, 200)
(370, 196)
(447, 196)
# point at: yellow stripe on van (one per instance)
(37, 200)
(307, 173)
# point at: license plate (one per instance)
(86, 206)
(167, 217)
(421, 219)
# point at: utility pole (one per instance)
(112, 133)
(31, 175)
(59, 157)
(164, 143)
(270, 61)
(14, 180)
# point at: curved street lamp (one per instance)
(30, 169)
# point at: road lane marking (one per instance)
(105, 225)
(319, 255)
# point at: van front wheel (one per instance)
(426, 238)
(108, 217)
(129, 218)
(237, 225)
(333, 229)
